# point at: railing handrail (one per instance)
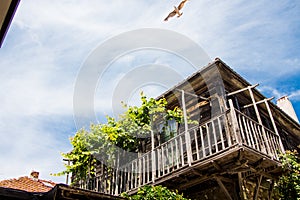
(175, 137)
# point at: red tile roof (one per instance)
(28, 184)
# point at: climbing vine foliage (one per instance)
(103, 139)
(154, 192)
(288, 185)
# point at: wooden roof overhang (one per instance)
(202, 83)
(7, 11)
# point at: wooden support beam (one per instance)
(194, 182)
(228, 180)
(240, 157)
(197, 172)
(243, 167)
(183, 178)
(258, 102)
(222, 186)
(215, 164)
(241, 90)
(239, 170)
(193, 95)
(257, 187)
(258, 163)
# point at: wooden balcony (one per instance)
(226, 144)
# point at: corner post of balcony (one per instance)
(187, 136)
(153, 159)
(274, 124)
(259, 119)
(234, 122)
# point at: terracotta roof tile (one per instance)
(28, 184)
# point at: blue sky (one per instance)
(49, 41)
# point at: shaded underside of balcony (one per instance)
(224, 165)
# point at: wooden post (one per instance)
(274, 125)
(153, 159)
(234, 121)
(259, 120)
(187, 136)
(257, 187)
(153, 153)
(152, 140)
(271, 190)
(67, 177)
(223, 188)
(240, 181)
(116, 177)
(255, 106)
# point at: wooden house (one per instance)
(231, 153)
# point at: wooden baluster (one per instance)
(159, 159)
(278, 145)
(261, 142)
(147, 178)
(131, 175)
(208, 139)
(153, 162)
(127, 179)
(196, 143)
(144, 169)
(215, 135)
(163, 159)
(202, 142)
(163, 154)
(248, 141)
(250, 133)
(181, 151)
(221, 132)
(177, 152)
(136, 174)
(264, 139)
(254, 134)
(140, 172)
(121, 173)
(172, 155)
(242, 130)
(272, 142)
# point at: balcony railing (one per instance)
(213, 137)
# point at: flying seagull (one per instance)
(176, 10)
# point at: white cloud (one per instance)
(295, 95)
(26, 146)
(273, 91)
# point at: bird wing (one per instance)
(181, 4)
(171, 14)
